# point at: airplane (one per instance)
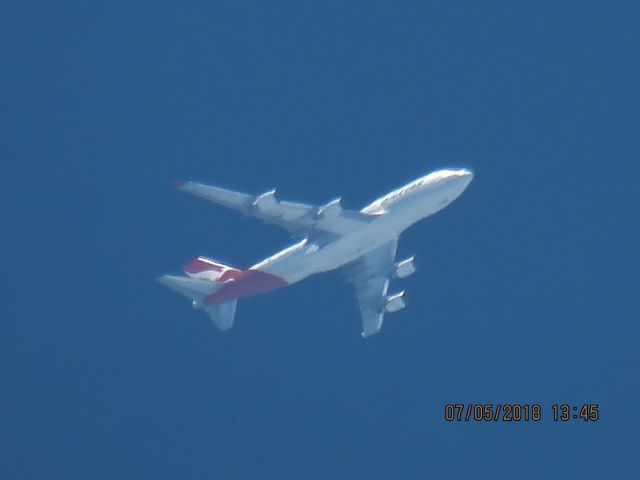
(362, 244)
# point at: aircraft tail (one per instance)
(208, 269)
(205, 277)
(223, 314)
(192, 288)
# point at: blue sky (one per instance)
(526, 289)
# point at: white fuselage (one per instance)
(393, 213)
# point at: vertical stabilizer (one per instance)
(207, 269)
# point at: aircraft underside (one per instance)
(361, 244)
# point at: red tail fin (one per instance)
(207, 269)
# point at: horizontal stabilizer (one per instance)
(192, 288)
(222, 315)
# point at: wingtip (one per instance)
(365, 334)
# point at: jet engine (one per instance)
(395, 302)
(331, 209)
(404, 268)
(266, 201)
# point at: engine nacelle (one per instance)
(404, 268)
(395, 302)
(266, 201)
(331, 209)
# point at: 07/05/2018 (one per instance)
(515, 412)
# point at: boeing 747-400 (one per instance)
(360, 243)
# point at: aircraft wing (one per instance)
(300, 219)
(370, 274)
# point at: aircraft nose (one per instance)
(464, 175)
(461, 179)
